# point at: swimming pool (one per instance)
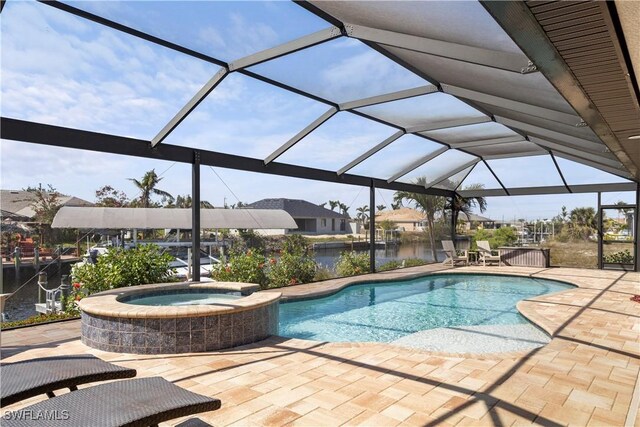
(385, 312)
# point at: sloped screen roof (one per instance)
(450, 101)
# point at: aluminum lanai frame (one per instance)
(558, 144)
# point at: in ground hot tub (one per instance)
(178, 318)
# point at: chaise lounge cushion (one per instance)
(136, 402)
(25, 379)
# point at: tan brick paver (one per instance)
(586, 375)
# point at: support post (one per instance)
(453, 222)
(600, 242)
(372, 228)
(636, 234)
(195, 218)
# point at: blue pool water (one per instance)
(384, 312)
(183, 297)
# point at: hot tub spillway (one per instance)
(110, 323)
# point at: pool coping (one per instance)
(107, 303)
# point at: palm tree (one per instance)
(343, 208)
(583, 222)
(381, 207)
(333, 204)
(147, 187)
(465, 205)
(362, 215)
(426, 203)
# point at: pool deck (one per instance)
(586, 375)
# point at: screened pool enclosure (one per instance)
(524, 98)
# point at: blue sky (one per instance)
(63, 70)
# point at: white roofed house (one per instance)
(310, 218)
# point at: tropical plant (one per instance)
(352, 263)
(109, 197)
(333, 204)
(381, 207)
(621, 257)
(247, 267)
(344, 209)
(362, 215)
(147, 186)
(458, 203)
(386, 225)
(582, 223)
(426, 203)
(186, 202)
(45, 202)
(120, 267)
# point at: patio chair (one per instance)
(135, 402)
(22, 380)
(486, 254)
(452, 254)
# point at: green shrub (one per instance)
(291, 269)
(503, 236)
(414, 262)
(352, 263)
(621, 257)
(247, 267)
(323, 273)
(120, 267)
(391, 265)
(38, 318)
(295, 244)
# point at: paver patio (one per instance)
(586, 375)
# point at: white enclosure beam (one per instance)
(286, 48)
(521, 107)
(193, 103)
(517, 63)
(514, 155)
(451, 173)
(388, 97)
(557, 136)
(607, 159)
(483, 142)
(556, 189)
(612, 170)
(304, 132)
(421, 161)
(370, 152)
(449, 124)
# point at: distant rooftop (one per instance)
(297, 208)
(19, 203)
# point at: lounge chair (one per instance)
(452, 254)
(135, 402)
(22, 380)
(486, 254)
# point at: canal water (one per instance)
(22, 304)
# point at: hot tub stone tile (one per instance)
(183, 349)
(183, 338)
(183, 324)
(197, 323)
(139, 339)
(152, 325)
(212, 322)
(138, 325)
(153, 339)
(168, 325)
(168, 340)
(125, 325)
(226, 322)
(197, 338)
(113, 337)
(197, 348)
